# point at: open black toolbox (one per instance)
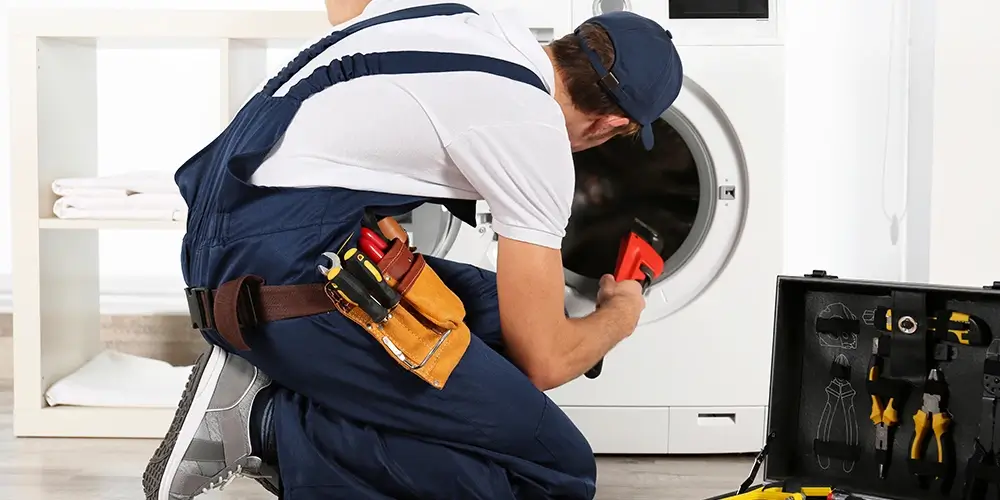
(821, 429)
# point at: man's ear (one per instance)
(606, 124)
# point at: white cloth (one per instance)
(145, 201)
(63, 211)
(113, 205)
(464, 135)
(146, 181)
(117, 380)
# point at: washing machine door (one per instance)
(691, 189)
(431, 229)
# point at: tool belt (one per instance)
(424, 332)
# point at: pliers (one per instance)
(884, 417)
(928, 417)
(986, 454)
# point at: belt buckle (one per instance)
(201, 307)
(200, 303)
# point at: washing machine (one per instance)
(694, 377)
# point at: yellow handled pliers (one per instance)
(930, 418)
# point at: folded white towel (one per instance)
(118, 380)
(85, 192)
(149, 214)
(149, 201)
(132, 182)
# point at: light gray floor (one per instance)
(66, 469)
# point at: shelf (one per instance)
(74, 422)
(56, 112)
(56, 281)
(54, 223)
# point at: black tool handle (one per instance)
(361, 267)
(351, 289)
(596, 370)
(646, 282)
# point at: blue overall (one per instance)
(349, 421)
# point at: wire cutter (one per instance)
(928, 417)
(985, 457)
(883, 416)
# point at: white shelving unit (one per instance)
(56, 290)
(55, 261)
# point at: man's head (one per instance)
(615, 75)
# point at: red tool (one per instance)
(372, 245)
(638, 259)
(639, 255)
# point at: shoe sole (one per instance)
(196, 399)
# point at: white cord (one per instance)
(895, 217)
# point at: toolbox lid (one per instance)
(821, 407)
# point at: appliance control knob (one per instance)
(605, 6)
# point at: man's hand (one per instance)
(629, 292)
(548, 347)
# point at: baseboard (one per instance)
(127, 296)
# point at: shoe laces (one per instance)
(223, 481)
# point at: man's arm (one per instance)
(341, 11)
(548, 347)
(525, 172)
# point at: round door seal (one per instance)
(605, 6)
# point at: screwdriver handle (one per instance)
(354, 292)
(361, 267)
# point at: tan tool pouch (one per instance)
(426, 333)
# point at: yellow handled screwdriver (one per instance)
(361, 267)
(351, 290)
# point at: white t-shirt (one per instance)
(466, 135)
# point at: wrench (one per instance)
(334, 263)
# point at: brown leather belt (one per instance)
(247, 302)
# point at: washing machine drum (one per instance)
(621, 181)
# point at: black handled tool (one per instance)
(370, 276)
(351, 289)
(638, 259)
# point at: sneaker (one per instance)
(208, 444)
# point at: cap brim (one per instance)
(647, 137)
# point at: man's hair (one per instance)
(579, 76)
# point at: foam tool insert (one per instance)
(868, 375)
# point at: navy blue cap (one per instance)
(647, 74)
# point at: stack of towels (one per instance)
(145, 195)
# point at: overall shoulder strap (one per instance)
(409, 62)
(307, 55)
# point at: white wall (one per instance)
(5, 228)
(841, 97)
(846, 117)
(921, 140)
(966, 172)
